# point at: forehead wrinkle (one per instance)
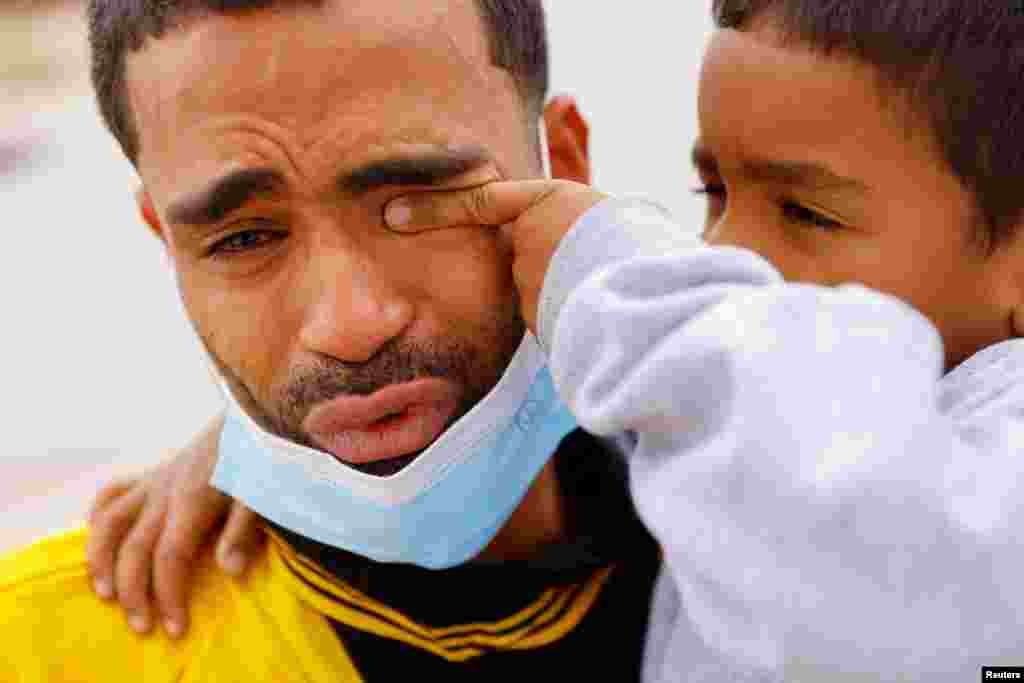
(358, 130)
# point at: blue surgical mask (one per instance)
(441, 510)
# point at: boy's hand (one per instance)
(534, 216)
(146, 534)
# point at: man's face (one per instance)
(270, 143)
(808, 166)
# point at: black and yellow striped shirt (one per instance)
(306, 612)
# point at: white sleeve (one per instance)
(821, 513)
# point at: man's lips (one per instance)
(397, 420)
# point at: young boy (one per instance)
(823, 408)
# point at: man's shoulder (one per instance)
(55, 567)
(51, 564)
(55, 627)
(54, 571)
(50, 619)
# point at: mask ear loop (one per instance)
(545, 153)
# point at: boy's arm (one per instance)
(819, 511)
(145, 534)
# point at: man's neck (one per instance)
(540, 520)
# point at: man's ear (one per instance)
(568, 140)
(148, 213)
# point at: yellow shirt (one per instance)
(271, 626)
(54, 628)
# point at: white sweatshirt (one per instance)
(830, 507)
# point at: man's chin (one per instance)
(386, 468)
(377, 468)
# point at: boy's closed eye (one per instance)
(792, 210)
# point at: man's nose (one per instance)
(357, 309)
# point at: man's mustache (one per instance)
(394, 364)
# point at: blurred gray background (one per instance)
(101, 373)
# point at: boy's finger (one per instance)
(493, 204)
(192, 515)
(134, 569)
(109, 493)
(110, 525)
(240, 539)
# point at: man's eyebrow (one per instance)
(224, 195)
(811, 175)
(429, 169)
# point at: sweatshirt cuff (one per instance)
(613, 231)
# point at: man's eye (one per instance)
(801, 214)
(244, 241)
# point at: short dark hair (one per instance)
(516, 29)
(957, 64)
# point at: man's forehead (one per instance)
(297, 62)
(422, 78)
(298, 45)
(355, 24)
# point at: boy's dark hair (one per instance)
(516, 30)
(958, 64)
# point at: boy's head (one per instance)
(852, 141)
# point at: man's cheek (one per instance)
(246, 339)
(471, 267)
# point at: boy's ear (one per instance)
(568, 140)
(148, 213)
